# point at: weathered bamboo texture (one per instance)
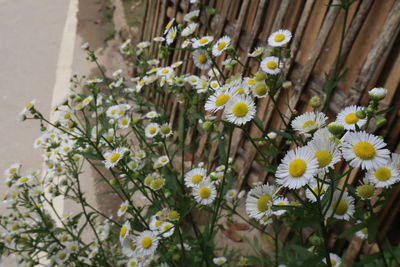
(370, 53)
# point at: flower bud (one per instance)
(113, 181)
(380, 122)
(207, 126)
(335, 128)
(377, 94)
(180, 26)
(365, 191)
(260, 76)
(315, 101)
(361, 114)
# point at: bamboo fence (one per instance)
(370, 54)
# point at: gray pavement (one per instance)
(31, 32)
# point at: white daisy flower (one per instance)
(343, 209)
(218, 100)
(195, 176)
(146, 243)
(13, 169)
(259, 201)
(326, 153)
(201, 59)
(123, 208)
(383, 176)
(158, 39)
(297, 168)
(157, 183)
(155, 223)
(204, 192)
(177, 64)
(214, 85)
(169, 25)
(171, 35)
(203, 41)
(124, 122)
(378, 93)
(143, 45)
(61, 256)
(166, 130)
(124, 231)
(166, 229)
(280, 201)
(152, 130)
(271, 65)
(309, 122)
(363, 233)
(161, 161)
(140, 154)
(395, 158)
(165, 71)
(364, 150)
(348, 118)
(129, 246)
(258, 52)
(221, 45)
(260, 89)
(113, 157)
(219, 261)
(272, 135)
(185, 43)
(240, 110)
(189, 30)
(318, 189)
(336, 261)
(191, 16)
(23, 264)
(134, 262)
(24, 180)
(279, 38)
(151, 115)
(231, 194)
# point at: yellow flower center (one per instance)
(240, 109)
(263, 202)
(164, 160)
(221, 100)
(123, 231)
(204, 192)
(319, 190)
(62, 255)
(342, 207)
(124, 121)
(323, 157)
(146, 242)
(364, 150)
(23, 179)
(157, 184)
(67, 116)
(132, 263)
(308, 123)
(197, 178)
(114, 157)
(157, 223)
(272, 65)
(364, 231)
(28, 106)
(279, 37)
(167, 227)
(383, 174)
(203, 40)
(351, 118)
(221, 45)
(202, 58)
(152, 130)
(12, 170)
(261, 89)
(165, 129)
(148, 180)
(297, 167)
(164, 71)
(113, 111)
(173, 215)
(123, 208)
(240, 91)
(333, 262)
(251, 82)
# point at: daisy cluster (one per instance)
(120, 126)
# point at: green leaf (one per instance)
(372, 225)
